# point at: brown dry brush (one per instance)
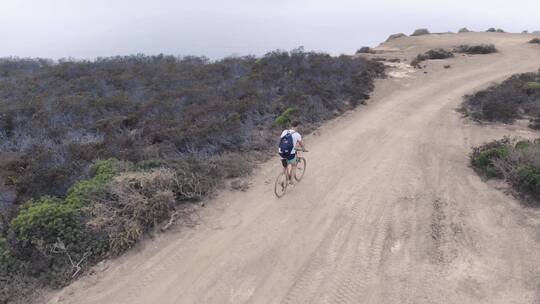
(132, 204)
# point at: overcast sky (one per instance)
(92, 28)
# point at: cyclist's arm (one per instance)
(301, 144)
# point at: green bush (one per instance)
(43, 224)
(283, 119)
(483, 157)
(517, 161)
(40, 222)
(43, 221)
(535, 40)
(529, 179)
(533, 85)
(103, 172)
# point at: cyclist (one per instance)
(290, 139)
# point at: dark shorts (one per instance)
(291, 159)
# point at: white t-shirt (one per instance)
(295, 137)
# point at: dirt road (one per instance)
(388, 212)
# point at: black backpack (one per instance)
(286, 145)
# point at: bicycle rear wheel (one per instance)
(300, 169)
(281, 185)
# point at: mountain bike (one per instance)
(283, 179)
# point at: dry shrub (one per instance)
(365, 50)
(431, 54)
(143, 183)
(143, 199)
(476, 49)
(515, 98)
(233, 166)
(420, 32)
(134, 203)
(395, 36)
(18, 289)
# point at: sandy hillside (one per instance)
(388, 212)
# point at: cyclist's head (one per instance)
(295, 123)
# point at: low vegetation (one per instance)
(463, 30)
(476, 49)
(365, 50)
(444, 54)
(420, 32)
(516, 161)
(535, 40)
(102, 151)
(395, 36)
(431, 54)
(516, 98)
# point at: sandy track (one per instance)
(388, 212)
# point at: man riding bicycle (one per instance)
(289, 141)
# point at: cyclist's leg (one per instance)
(292, 164)
(289, 170)
(285, 165)
(293, 171)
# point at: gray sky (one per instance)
(92, 28)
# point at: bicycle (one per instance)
(283, 179)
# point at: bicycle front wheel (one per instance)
(300, 169)
(281, 185)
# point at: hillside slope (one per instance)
(388, 212)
